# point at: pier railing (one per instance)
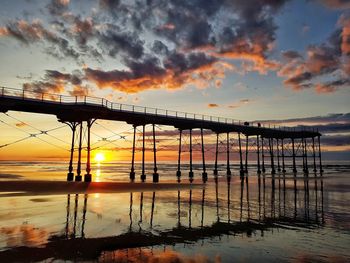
(37, 95)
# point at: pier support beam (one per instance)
(263, 155)
(278, 156)
(143, 174)
(258, 154)
(190, 174)
(283, 163)
(70, 176)
(305, 156)
(314, 154)
(78, 176)
(216, 155)
(241, 170)
(87, 176)
(246, 154)
(293, 152)
(155, 169)
(273, 171)
(228, 169)
(204, 174)
(319, 153)
(132, 172)
(178, 173)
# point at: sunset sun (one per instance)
(100, 157)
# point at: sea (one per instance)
(267, 218)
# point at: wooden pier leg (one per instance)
(204, 174)
(283, 163)
(278, 157)
(303, 154)
(263, 155)
(241, 170)
(70, 175)
(319, 153)
(228, 169)
(246, 154)
(78, 176)
(132, 172)
(305, 151)
(314, 154)
(258, 154)
(143, 175)
(87, 176)
(190, 174)
(216, 155)
(155, 169)
(273, 171)
(178, 173)
(293, 152)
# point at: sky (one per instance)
(284, 62)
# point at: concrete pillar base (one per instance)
(70, 177)
(78, 178)
(87, 178)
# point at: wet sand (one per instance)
(13, 188)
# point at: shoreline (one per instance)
(15, 188)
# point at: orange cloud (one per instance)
(213, 105)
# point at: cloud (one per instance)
(336, 4)
(58, 7)
(213, 105)
(327, 60)
(240, 103)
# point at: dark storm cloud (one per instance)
(336, 140)
(330, 118)
(58, 7)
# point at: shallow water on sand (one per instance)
(257, 220)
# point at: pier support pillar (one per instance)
(70, 176)
(314, 154)
(78, 176)
(228, 169)
(87, 176)
(204, 174)
(273, 171)
(278, 156)
(283, 163)
(319, 153)
(258, 153)
(246, 154)
(132, 172)
(305, 156)
(263, 155)
(216, 155)
(178, 173)
(190, 174)
(293, 152)
(155, 169)
(143, 174)
(241, 170)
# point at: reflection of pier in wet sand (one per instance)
(262, 204)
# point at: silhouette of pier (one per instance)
(274, 143)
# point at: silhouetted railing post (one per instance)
(132, 172)
(204, 174)
(216, 155)
(283, 164)
(263, 154)
(78, 176)
(178, 173)
(143, 175)
(293, 152)
(155, 169)
(70, 175)
(258, 154)
(190, 174)
(241, 171)
(319, 154)
(228, 170)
